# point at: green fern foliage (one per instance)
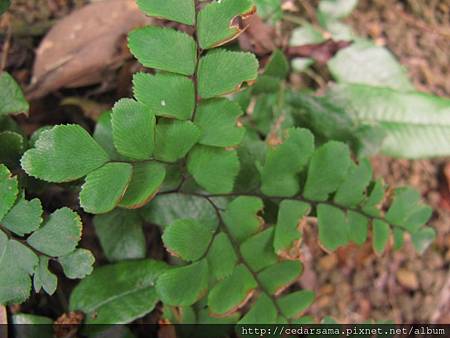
(28, 243)
(172, 157)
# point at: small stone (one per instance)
(407, 279)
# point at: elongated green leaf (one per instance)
(241, 217)
(224, 72)
(118, 293)
(105, 187)
(63, 153)
(232, 293)
(77, 264)
(280, 275)
(164, 49)
(365, 63)
(59, 235)
(381, 233)
(295, 303)
(329, 167)
(214, 169)
(220, 22)
(287, 230)
(167, 95)
(12, 100)
(43, 278)
(121, 235)
(166, 209)
(24, 217)
(333, 227)
(144, 185)
(8, 190)
(182, 11)
(195, 283)
(258, 250)
(133, 129)
(416, 125)
(174, 139)
(262, 312)
(284, 163)
(179, 237)
(221, 257)
(218, 122)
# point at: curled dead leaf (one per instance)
(321, 52)
(259, 37)
(85, 45)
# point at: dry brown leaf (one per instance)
(83, 46)
(259, 37)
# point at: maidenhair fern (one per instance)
(230, 207)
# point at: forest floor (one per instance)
(353, 285)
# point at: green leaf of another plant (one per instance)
(121, 235)
(103, 294)
(164, 49)
(63, 153)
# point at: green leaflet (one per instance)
(214, 169)
(103, 135)
(280, 275)
(101, 295)
(241, 217)
(283, 164)
(423, 238)
(144, 185)
(182, 11)
(232, 292)
(24, 325)
(43, 278)
(327, 170)
(8, 190)
(262, 312)
(174, 139)
(24, 217)
(352, 190)
(12, 148)
(292, 305)
(178, 238)
(121, 235)
(333, 227)
(104, 188)
(59, 235)
(224, 72)
(287, 230)
(258, 251)
(77, 264)
(195, 283)
(17, 263)
(221, 257)
(63, 153)
(129, 115)
(167, 95)
(12, 100)
(219, 22)
(366, 63)
(381, 233)
(218, 122)
(164, 49)
(416, 125)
